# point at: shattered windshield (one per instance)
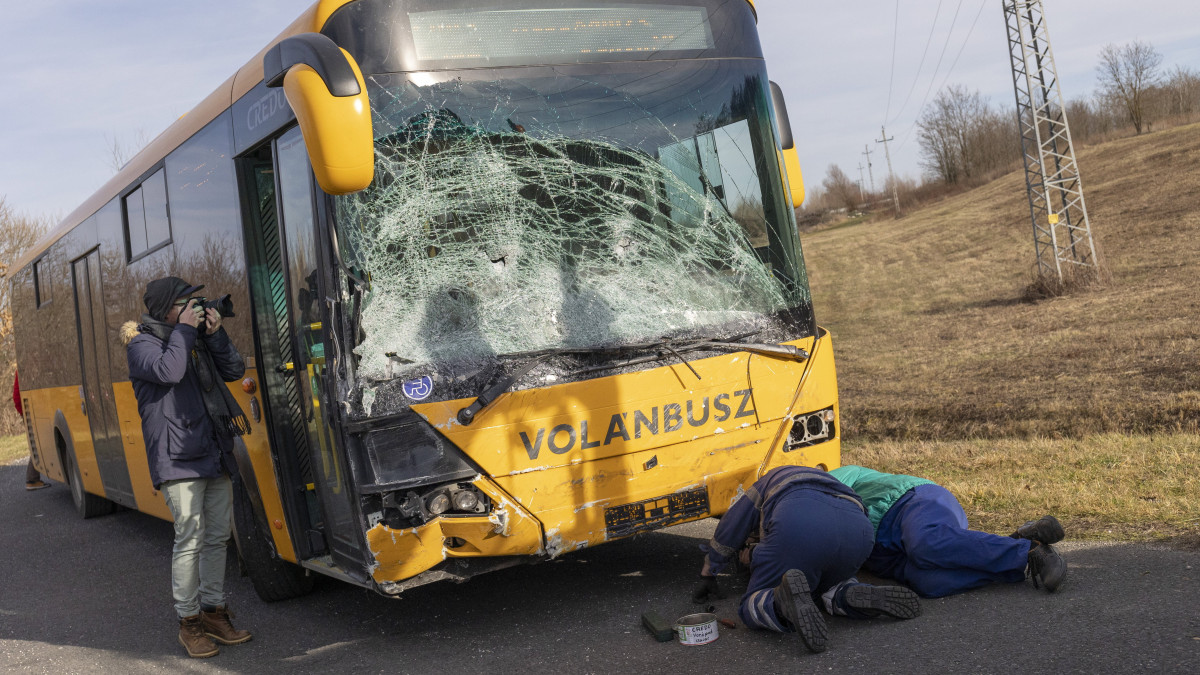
(523, 209)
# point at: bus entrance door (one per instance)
(96, 390)
(286, 283)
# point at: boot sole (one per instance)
(218, 638)
(199, 655)
(807, 619)
(894, 601)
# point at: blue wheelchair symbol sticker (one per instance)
(419, 389)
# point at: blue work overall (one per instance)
(923, 542)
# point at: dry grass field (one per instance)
(945, 368)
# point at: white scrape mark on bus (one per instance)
(553, 543)
(591, 504)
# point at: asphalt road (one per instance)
(94, 596)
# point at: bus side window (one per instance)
(41, 284)
(147, 227)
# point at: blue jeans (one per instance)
(824, 536)
(923, 542)
(203, 512)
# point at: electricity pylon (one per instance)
(1062, 234)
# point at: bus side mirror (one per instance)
(791, 159)
(326, 90)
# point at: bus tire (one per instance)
(87, 505)
(274, 579)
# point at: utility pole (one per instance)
(861, 180)
(1062, 234)
(867, 151)
(891, 174)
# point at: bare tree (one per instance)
(962, 137)
(841, 191)
(121, 151)
(1126, 74)
(1182, 92)
(17, 234)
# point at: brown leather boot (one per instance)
(217, 626)
(191, 636)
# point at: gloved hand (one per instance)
(707, 589)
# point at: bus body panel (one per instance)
(580, 500)
(554, 426)
(509, 530)
(149, 500)
(67, 401)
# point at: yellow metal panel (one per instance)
(570, 501)
(47, 402)
(584, 421)
(508, 530)
(149, 500)
(337, 129)
(607, 452)
(325, 9)
(819, 392)
(795, 179)
(258, 446)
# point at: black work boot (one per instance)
(191, 636)
(1047, 567)
(1046, 529)
(870, 601)
(794, 604)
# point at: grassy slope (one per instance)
(935, 343)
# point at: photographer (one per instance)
(179, 359)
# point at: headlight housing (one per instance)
(811, 428)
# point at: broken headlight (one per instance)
(810, 429)
(407, 451)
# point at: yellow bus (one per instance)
(514, 278)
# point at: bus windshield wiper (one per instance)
(679, 347)
(786, 351)
(467, 414)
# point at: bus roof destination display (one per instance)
(447, 35)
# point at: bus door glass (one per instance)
(96, 391)
(288, 306)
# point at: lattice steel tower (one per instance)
(1062, 234)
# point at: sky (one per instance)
(79, 74)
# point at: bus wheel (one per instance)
(86, 504)
(273, 579)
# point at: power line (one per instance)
(945, 79)
(917, 77)
(892, 78)
(933, 78)
(964, 44)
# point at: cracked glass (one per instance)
(516, 210)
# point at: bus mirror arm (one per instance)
(328, 94)
(317, 52)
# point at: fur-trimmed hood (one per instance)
(129, 330)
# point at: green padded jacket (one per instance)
(879, 491)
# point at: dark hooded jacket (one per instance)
(181, 440)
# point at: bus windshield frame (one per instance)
(581, 205)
